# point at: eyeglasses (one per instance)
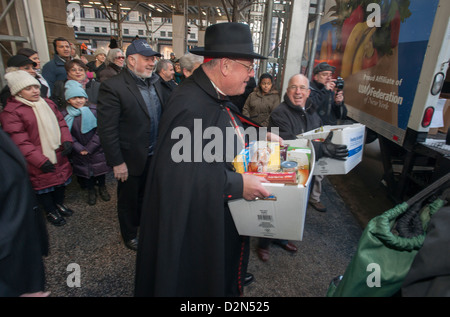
(249, 67)
(293, 87)
(120, 57)
(77, 70)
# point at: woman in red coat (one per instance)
(39, 130)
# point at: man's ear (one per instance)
(131, 61)
(225, 66)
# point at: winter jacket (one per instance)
(323, 101)
(258, 107)
(124, 123)
(94, 163)
(92, 68)
(19, 121)
(54, 70)
(292, 120)
(110, 71)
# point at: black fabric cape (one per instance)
(23, 235)
(188, 243)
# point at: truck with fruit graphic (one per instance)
(393, 56)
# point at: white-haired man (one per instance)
(129, 108)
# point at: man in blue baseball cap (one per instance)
(128, 111)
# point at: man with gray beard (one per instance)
(129, 108)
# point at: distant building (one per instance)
(96, 30)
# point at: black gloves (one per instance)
(67, 148)
(336, 151)
(47, 167)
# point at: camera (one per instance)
(340, 83)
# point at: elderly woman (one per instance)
(76, 70)
(114, 64)
(39, 130)
(190, 62)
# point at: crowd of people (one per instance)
(117, 115)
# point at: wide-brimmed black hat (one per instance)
(228, 40)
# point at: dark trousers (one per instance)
(89, 183)
(49, 200)
(130, 195)
(264, 243)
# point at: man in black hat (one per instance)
(20, 62)
(329, 104)
(189, 245)
(128, 110)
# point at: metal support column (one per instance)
(312, 52)
(295, 41)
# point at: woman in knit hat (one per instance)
(88, 159)
(39, 130)
(99, 64)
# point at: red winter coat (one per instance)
(19, 121)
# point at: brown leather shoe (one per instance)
(318, 206)
(289, 247)
(263, 254)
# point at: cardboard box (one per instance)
(352, 135)
(281, 216)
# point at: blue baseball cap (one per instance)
(141, 47)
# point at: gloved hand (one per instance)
(67, 148)
(336, 151)
(47, 167)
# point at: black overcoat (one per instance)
(188, 243)
(124, 122)
(23, 235)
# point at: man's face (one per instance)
(298, 91)
(241, 70)
(63, 48)
(167, 72)
(141, 65)
(323, 77)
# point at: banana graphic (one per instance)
(350, 48)
(359, 55)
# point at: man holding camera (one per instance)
(327, 96)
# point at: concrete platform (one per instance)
(91, 239)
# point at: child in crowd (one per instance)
(38, 129)
(88, 158)
(261, 102)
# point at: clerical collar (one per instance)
(219, 92)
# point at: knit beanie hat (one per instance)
(99, 51)
(20, 79)
(74, 89)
